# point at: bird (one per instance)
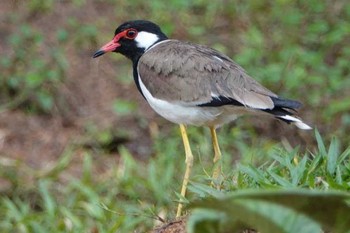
(191, 84)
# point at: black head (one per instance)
(132, 38)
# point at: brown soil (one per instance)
(175, 226)
(89, 89)
(179, 226)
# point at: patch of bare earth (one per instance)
(88, 92)
(175, 226)
(179, 226)
(89, 89)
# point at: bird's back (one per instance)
(190, 75)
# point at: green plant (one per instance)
(273, 211)
(298, 49)
(31, 74)
(279, 197)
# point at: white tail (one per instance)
(297, 122)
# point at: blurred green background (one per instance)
(81, 151)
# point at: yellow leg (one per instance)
(217, 154)
(189, 163)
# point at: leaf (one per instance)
(124, 107)
(49, 203)
(284, 210)
(298, 172)
(204, 190)
(344, 155)
(332, 157)
(280, 180)
(320, 144)
(45, 100)
(256, 174)
(205, 221)
(264, 216)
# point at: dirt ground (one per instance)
(89, 90)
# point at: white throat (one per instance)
(146, 39)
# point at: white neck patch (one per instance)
(146, 39)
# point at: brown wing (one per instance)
(190, 74)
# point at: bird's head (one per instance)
(133, 38)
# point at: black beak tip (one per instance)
(98, 53)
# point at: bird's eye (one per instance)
(131, 34)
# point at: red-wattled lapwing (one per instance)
(191, 84)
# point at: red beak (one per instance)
(109, 47)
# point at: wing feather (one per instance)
(193, 75)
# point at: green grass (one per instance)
(291, 47)
(132, 195)
(298, 49)
(291, 210)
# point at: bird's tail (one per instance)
(284, 109)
